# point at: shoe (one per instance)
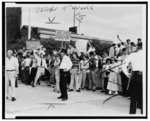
(59, 97)
(78, 90)
(64, 99)
(33, 86)
(70, 90)
(109, 92)
(94, 90)
(13, 99)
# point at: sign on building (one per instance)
(33, 44)
(61, 35)
(81, 45)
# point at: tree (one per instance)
(13, 22)
(99, 46)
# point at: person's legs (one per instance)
(23, 76)
(72, 79)
(100, 78)
(80, 76)
(16, 83)
(12, 81)
(103, 80)
(133, 89)
(32, 75)
(27, 75)
(76, 77)
(38, 74)
(139, 93)
(57, 77)
(7, 84)
(84, 73)
(52, 78)
(63, 84)
(90, 80)
(93, 79)
(124, 82)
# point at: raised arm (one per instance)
(35, 55)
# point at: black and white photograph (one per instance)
(74, 59)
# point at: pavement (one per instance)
(42, 101)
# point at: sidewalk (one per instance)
(42, 101)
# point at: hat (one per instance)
(41, 53)
(64, 51)
(108, 59)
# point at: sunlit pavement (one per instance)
(42, 101)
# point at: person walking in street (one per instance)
(135, 72)
(12, 67)
(41, 64)
(57, 74)
(93, 66)
(65, 66)
(84, 65)
(33, 70)
(74, 73)
(27, 63)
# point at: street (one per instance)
(42, 101)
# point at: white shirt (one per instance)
(12, 64)
(66, 63)
(136, 60)
(96, 60)
(84, 64)
(34, 63)
(39, 61)
(27, 61)
(117, 50)
(111, 52)
(42, 51)
(24, 54)
(122, 46)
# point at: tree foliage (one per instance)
(13, 21)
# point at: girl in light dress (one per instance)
(113, 78)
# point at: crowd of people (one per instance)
(68, 70)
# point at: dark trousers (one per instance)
(136, 93)
(105, 83)
(16, 83)
(27, 75)
(124, 81)
(63, 83)
(32, 75)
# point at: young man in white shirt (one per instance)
(41, 65)
(11, 74)
(133, 68)
(27, 63)
(84, 66)
(65, 66)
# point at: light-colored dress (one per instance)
(112, 81)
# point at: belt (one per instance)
(10, 70)
(84, 69)
(40, 67)
(137, 72)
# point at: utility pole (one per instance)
(74, 18)
(29, 26)
(79, 27)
